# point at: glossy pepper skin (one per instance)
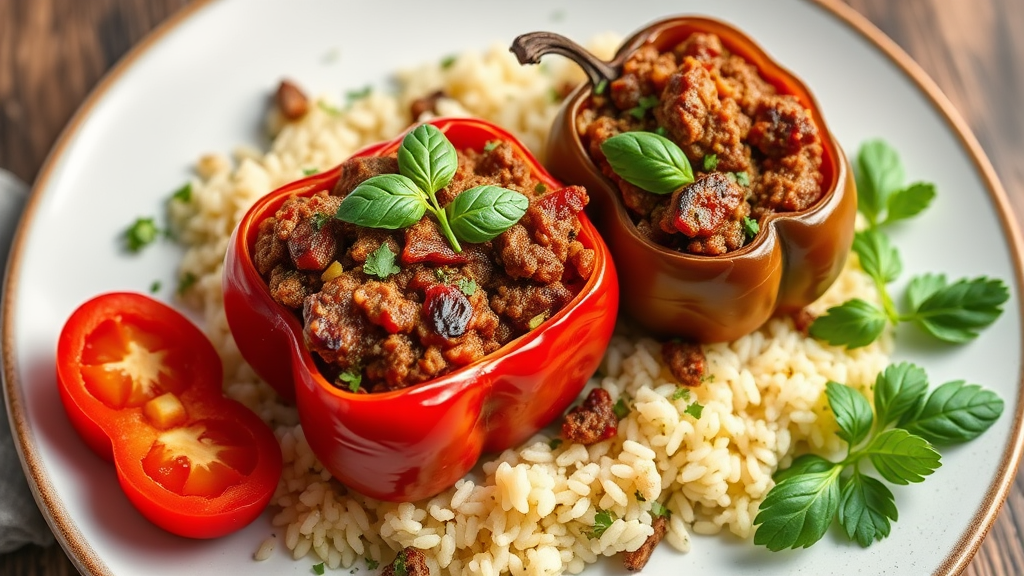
(415, 442)
(142, 386)
(789, 264)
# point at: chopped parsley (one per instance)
(680, 393)
(602, 521)
(742, 178)
(554, 443)
(309, 171)
(140, 234)
(447, 61)
(371, 563)
(381, 263)
(154, 287)
(491, 145)
(468, 287)
(318, 221)
(353, 95)
(540, 188)
(750, 227)
(695, 410)
(318, 568)
(399, 564)
(621, 407)
(183, 194)
(658, 509)
(441, 274)
(601, 87)
(661, 131)
(710, 162)
(352, 380)
(645, 104)
(186, 281)
(538, 320)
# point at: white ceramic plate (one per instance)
(201, 84)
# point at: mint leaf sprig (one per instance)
(953, 312)
(898, 438)
(427, 162)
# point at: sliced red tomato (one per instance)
(142, 386)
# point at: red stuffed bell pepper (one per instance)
(142, 386)
(416, 441)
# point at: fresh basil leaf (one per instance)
(481, 213)
(866, 508)
(852, 412)
(901, 457)
(427, 158)
(909, 202)
(802, 465)
(878, 258)
(898, 389)
(955, 412)
(922, 287)
(956, 313)
(389, 201)
(853, 324)
(797, 511)
(648, 160)
(381, 263)
(880, 173)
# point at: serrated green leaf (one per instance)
(866, 508)
(922, 287)
(954, 412)
(880, 172)
(852, 412)
(427, 158)
(898, 389)
(797, 511)
(481, 213)
(648, 160)
(901, 457)
(389, 201)
(381, 263)
(803, 464)
(853, 324)
(956, 313)
(909, 202)
(878, 257)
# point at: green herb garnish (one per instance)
(602, 521)
(141, 233)
(427, 161)
(953, 312)
(695, 410)
(537, 320)
(467, 286)
(399, 564)
(710, 162)
(447, 61)
(155, 287)
(680, 393)
(318, 221)
(491, 145)
(601, 87)
(814, 491)
(658, 510)
(649, 161)
(381, 263)
(621, 407)
(750, 227)
(183, 194)
(328, 108)
(353, 95)
(309, 171)
(371, 563)
(351, 379)
(318, 568)
(540, 188)
(554, 443)
(645, 103)
(185, 282)
(742, 178)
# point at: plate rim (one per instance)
(88, 562)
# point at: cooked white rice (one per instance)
(532, 509)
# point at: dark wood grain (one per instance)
(53, 52)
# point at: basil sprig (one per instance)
(427, 162)
(648, 160)
(953, 312)
(813, 492)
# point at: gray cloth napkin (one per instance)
(20, 520)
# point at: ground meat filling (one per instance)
(442, 309)
(729, 122)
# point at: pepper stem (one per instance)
(529, 47)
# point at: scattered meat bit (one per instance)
(592, 421)
(291, 101)
(636, 560)
(685, 360)
(409, 562)
(425, 104)
(802, 320)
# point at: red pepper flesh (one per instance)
(414, 443)
(142, 386)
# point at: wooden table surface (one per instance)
(53, 52)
